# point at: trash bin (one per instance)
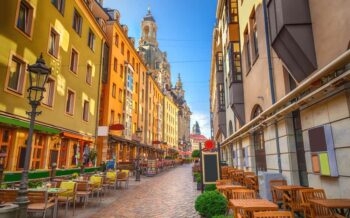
(9, 210)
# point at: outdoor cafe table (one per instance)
(289, 191)
(338, 206)
(226, 188)
(249, 206)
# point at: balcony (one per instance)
(292, 37)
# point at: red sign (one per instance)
(209, 144)
(156, 142)
(116, 127)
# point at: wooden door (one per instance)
(63, 153)
(38, 151)
(5, 140)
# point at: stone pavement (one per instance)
(171, 194)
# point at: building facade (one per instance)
(71, 42)
(294, 84)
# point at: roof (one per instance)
(149, 16)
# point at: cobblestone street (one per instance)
(169, 194)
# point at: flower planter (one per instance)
(8, 210)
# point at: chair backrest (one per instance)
(238, 176)
(248, 173)
(83, 186)
(71, 188)
(308, 194)
(96, 180)
(122, 175)
(111, 175)
(273, 214)
(276, 194)
(243, 194)
(37, 196)
(126, 171)
(224, 182)
(8, 195)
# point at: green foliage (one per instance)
(195, 153)
(210, 204)
(210, 187)
(196, 175)
(169, 158)
(222, 216)
(34, 184)
(75, 175)
(198, 179)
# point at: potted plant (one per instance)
(195, 175)
(199, 182)
(195, 154)
(210, 204)
(210, 187)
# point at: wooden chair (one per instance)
(111, 180)
(294, 202)
(8, 195)
(274, 214)
(277, 195)
(69, 195)
(311, 210)
(40, 202)
(96, 185)
(123, 177)
(224, 172)
(238, 176)
(83, 191)
(252, 183)
(223, 182)
(243, 194)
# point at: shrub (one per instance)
(198, 179)
(210, 187)
(195, 153)
(222, 216)
(211, 203)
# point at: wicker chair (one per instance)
(40, 202)
(277, 195)
(315, 211)
(274, 214)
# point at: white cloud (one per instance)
(203, 121)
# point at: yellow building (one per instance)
(170, 120)
(71, 41)
(123, 91)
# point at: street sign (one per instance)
(210, 167)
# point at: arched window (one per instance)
(230, 128)
(146, 31)
(259, 143)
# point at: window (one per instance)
(255, 34)
(5, 143)
(120, 95)
(74, 61)
(89, 74)
(116, 40)
(25, 17)
(232, 11)
(16, 75)
(135, 107)
(38, 150)
(114, 87)
(119, 118)
(128, 56)
(247, 50)
(115, 64)
(70, 102)
(235, 53)
(112, 117)
(77, 22)
(121, 71)
(49, 93)
(86, 110)
(137, 88)
(219, 62)
(54, 43)
(221, 97)
(59, 4)
(91, 40)
(122, 48)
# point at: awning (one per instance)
(25, 124)
(76, 136)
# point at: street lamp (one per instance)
(139, 134)
(38, 75)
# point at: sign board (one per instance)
(209, 144)
(210, 167)
(102, 131)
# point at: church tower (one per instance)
(149, 30)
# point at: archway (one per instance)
(259, 143)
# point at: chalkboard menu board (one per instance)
(210, 167)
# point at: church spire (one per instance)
(179, 82)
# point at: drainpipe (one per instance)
(271, 81)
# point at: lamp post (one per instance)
(38, 75)
(139, 134)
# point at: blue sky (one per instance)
(184, 31)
